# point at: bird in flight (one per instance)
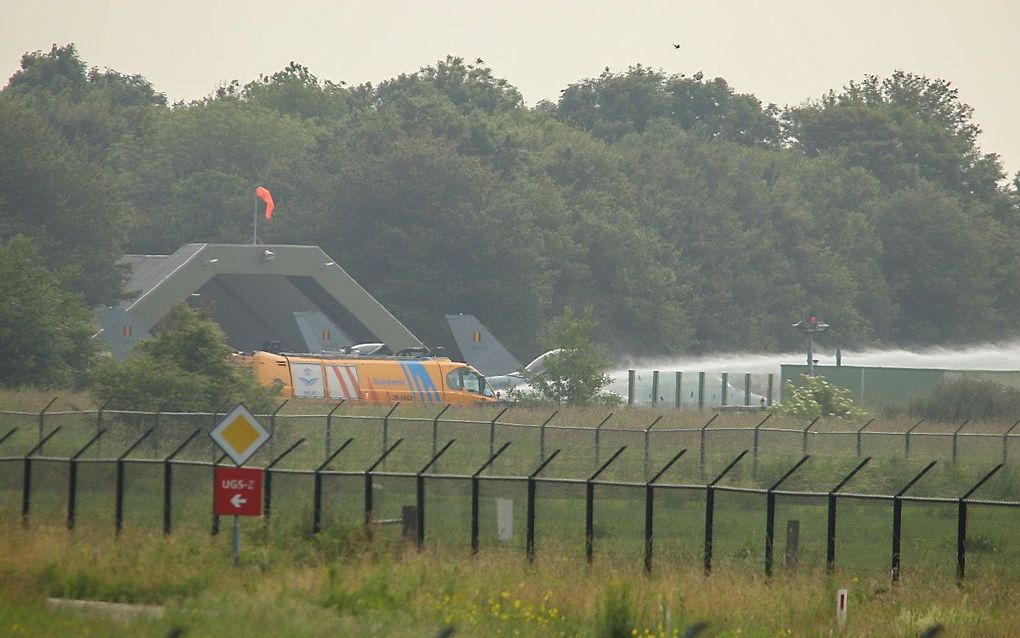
(676, 46)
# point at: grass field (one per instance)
(337, 582)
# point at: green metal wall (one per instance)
(879, 387)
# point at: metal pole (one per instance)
(648, 431)
(677, 398)
(272, 427)
(754, 455)
(1005, 442)
(598, 442)
(589, 510)
(99, 419)
(747, 388)
(329, 427)
(317, 491)
(898, 519)
(267, 496)
(770, 388)
(26, 485)
(420, 485)
(701, 444)
(710, 510)
(859, 434)
(655, 387)
(42, 418)
(386, 426)
(168, 480)
(724, 379)
(805, 433)
(368, 483)
(435, 427)
(631, 380)
(830, 536)
(770, 514)
(72, 479)
(701, 391)
(530, 547)
(475, 481)
(118, 516)
(541, 436)
(650, 507)
(956, 433)
(961, 529)
(492, 430)
(906, 440)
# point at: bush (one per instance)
(968, 399)
(817, 397)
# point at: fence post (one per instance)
(648, 435)
(272, 428)
(830, 533)
(156, 430)
(1005, 442)
(329, 428)
(475, 481)
(42, 419)
(956, 433)
(631, 380)
(386, 426)
(435, 427)
(754, 456)
(530, 545)
(589, 505)
(650, 508)
(368, 484)
(72, 478)
(860, 435)
(804, 434)
(420, 491)
(492, 430)
(701, 390)
(267, 496)
(655, 387)
(215, 529)
(770, 514)
(677, 399)
(710, 511)
(724, 388)
(906, 439)
(898, 520)
(598, 441)
(747, 388)
(770, 388)
(168, 480)
(26, 485)
(8, 435)
(541, 436)
(317, 489)
(961, 524)
(118, 509)
(99, 420)
(701, 445)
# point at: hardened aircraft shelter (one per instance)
(289, 298)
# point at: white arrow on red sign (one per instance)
(237, 500)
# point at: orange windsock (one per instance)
(263, 193)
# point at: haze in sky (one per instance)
(782, 52)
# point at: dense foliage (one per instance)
(815, 396)
(186, 366)
(575, 372)
(968, 399)
(689, 216)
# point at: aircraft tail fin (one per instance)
(479, 348)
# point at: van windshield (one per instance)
(468, 380)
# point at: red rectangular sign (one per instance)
(238, 491)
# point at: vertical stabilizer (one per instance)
(479, 347)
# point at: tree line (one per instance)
(689, 217)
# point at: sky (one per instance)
(783, 52)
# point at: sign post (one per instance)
(238, 490)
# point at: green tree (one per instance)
(575, 373)
(186, 366)
(817, 397)
(45, 331)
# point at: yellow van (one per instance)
(371, 380)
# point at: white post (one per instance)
(841, 608)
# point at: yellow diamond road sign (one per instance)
(239, 434)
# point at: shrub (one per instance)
(968, 399)
(817, 397)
